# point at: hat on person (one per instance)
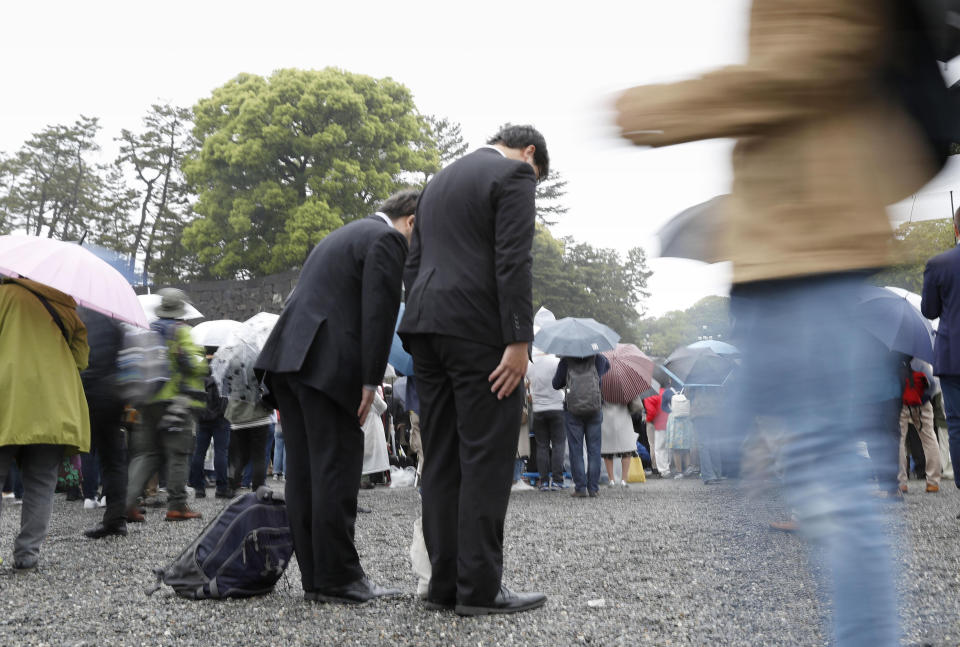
(173, 303)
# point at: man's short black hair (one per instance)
(522, 136)
(400, 204)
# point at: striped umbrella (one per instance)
(630, 374)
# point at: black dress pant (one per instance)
(324, 446)
(469, 439)
(551, 437)
(106, 439)
(247, 446)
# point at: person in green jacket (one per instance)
(43, 412)
(166, 427)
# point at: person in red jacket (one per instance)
(658, 411)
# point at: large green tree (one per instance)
(914, 243)
(285, 160)
(575, 279)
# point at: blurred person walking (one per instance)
(164, 435)
(213, 427)
(805, 224)
(43, 411)
(105, 337)
(468, 324)
(323, 362)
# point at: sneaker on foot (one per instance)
(89, 504)
(181, 515)
(611, 483)
(677, 477)
(102, 502)
(624, 483)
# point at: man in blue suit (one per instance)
(941, 298)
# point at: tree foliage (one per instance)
(708, 318)
(285, 160)
(578, 280)
(155, 155)
(550, 194)
(914, 243)
(54, 187)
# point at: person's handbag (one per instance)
(637, 475)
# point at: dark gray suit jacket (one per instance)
(469, 270)
(941, 298)
(336, 327)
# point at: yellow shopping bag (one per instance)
(637, 475)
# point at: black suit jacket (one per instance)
(336, 327)
(469, 270)
(941, 298)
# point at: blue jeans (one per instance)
(279, 454)
(219, 431)
(950, 385)
(808, 363)
(579, 429)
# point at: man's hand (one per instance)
(366, 401)
(512, 368)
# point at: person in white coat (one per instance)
(375, 458)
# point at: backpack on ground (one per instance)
(583, 386)
(143, 365)
(243, 552)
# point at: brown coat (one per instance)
(820, 150)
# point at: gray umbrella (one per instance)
(694, 232)
(575, 337)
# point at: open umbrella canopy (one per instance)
(215, 332)
(895, 322)
(399, 358)
(699, 367)
(150, 302)
(694, 232)
(232, 366)
(630, 374)
(73, 270)
(913, 299)
(575, 337)
(717, 346)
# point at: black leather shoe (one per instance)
(356, 592)
(101, 531)
(506, 602)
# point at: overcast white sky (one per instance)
(555, 65)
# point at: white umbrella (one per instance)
(150, 303)
(232, 367)
(215, 332)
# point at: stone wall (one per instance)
(238, 300)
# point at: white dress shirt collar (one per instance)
(385, 217)
(491, 146)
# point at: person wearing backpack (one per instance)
(166, 428)
(583, 417)
(918, 411)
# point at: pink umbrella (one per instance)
(73, 270)
(630, 374)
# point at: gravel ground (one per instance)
(674, 562)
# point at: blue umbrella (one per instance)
(399, 358)
(895, 322)
(575, 337)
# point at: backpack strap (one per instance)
(53, 313)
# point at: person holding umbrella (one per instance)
(43, 411)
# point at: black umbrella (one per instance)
(694, 232)
(699, 367)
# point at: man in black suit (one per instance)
(322, 363)
(468, 324)
(941, 299)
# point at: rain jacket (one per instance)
(821, 148)
(41, 395)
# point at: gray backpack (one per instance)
(583, 386)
